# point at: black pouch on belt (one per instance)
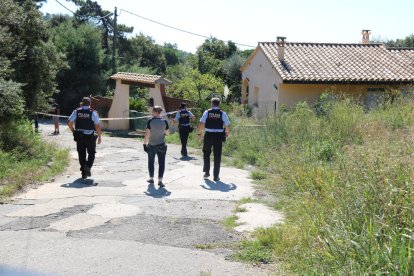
(224, 136)
(76, 135)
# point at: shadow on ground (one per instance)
(218, 186)
(157, 193)
(80, 183)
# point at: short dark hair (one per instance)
(157, 109)
(215, 101)
(86, 101)
(183, 105)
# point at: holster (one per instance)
(76, 136)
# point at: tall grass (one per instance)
(346, 181)
(25, 158)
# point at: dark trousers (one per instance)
(160, 151)
(184, 133)
(86, 144)
(215, 141)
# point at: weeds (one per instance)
(344, 178)
(26, 159)
(230, 222)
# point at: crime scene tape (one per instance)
(106, 119)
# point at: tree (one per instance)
(142, 50)
(91, 12)
(84, 76)
(198, 87)
(33, 60)
(233, 76)
(171, 53)
(11, 101)
(408, 41)
(211, 55)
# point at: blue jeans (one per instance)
(160, 151)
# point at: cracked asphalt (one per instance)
(116, 224)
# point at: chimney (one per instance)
(280, 42)
(365, 36)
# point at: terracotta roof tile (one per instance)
(329, 62)
(140, 78)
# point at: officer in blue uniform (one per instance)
(184, 118)
(216, 126)
(86, 128)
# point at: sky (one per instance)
(249, 22)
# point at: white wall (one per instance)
(119, 107)
(155, 93)
(263, 76)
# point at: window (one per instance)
(256, 96)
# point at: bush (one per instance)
(11, 101)
(138, 104)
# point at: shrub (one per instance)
(138, 104)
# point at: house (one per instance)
(284, 73)
(157, 96)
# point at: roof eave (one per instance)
(247, 63)
(385, 82)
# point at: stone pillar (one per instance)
(119, 107)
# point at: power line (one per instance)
(162, 24)
(181, 30)
(66, 8)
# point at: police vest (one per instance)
(84, 119)
(184, 117)
(214, 119)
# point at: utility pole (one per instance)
(114, 43)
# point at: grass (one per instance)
(252, 251)
(25, 159)
(258, 175)
(230, 222)
(344, 179)
(205, 246)
(240, 209)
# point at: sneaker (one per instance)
(206, 175)
(160, 184)
(87, 171)
(84, 175)
(150, 181)
(216, 179)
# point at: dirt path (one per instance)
(116, 224)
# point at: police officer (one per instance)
(55, 109)
(154, 144)
(216, 126)
(184, 118)
(86, 128)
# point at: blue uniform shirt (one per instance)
(95, 119)
(177, 116)
(225, 118)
